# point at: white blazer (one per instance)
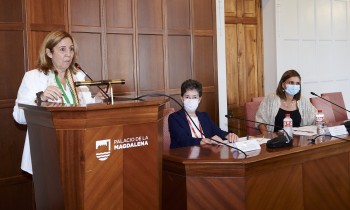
(35, 81)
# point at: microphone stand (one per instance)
(109, 98)
(312, 93)
(314, 139)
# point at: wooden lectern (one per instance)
(97, 156)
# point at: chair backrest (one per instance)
(337, 98)
(250, 109)
(260, 98)
(325, 106)
(166, 134)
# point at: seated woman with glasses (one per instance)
(194, 128)
(286, 100)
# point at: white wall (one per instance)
(311, 36)
(221, 56)
(269, 42)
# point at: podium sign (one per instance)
(97, 156)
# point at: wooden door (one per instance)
(244, 58)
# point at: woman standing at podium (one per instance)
(197, 128)
(52, 81)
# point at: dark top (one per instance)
(295, 115)
(180, 131)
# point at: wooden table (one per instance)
(305, 176)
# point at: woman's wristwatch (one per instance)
(38, 97)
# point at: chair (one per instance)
(260, 98)
(337, 98)
(325, 106)
(250, 109)
(166, 134)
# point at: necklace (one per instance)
(64, 92)
(288, 104)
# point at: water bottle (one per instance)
(288, 125)
(320, 123)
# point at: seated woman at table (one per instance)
(286, 100)
(197, 128)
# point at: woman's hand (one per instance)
(231, 137)
(51, 92)
(101, 95)
(262, 129)
(209, 141)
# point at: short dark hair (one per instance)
(288, 74)
(191, 84)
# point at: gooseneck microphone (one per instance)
(277, 142)
(81, 82)
(312, 93)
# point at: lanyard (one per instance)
(193, 130)
(64, 92)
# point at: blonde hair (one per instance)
(44, 62)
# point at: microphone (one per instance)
(312, 93)
(277, 142)
(76, 84)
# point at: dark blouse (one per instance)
(295, 115)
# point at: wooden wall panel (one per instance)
(44, 16)
(121, 61)
(16, 190)
(179, 60)
(150, 14)
(85, 13)
(11, 63)
(203, 18)
(119, 13)
(151, 63)
(11, 144)
(13, 15)
(16, 193)
(35, 40)
(203, 60)
(208, 102)
(178, 14)
(47, 12)
(90, 53)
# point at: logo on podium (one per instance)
(103, 149)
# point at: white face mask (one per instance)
(191, 105)
(292, 89)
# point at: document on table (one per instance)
(305, 131)
(260, 140)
